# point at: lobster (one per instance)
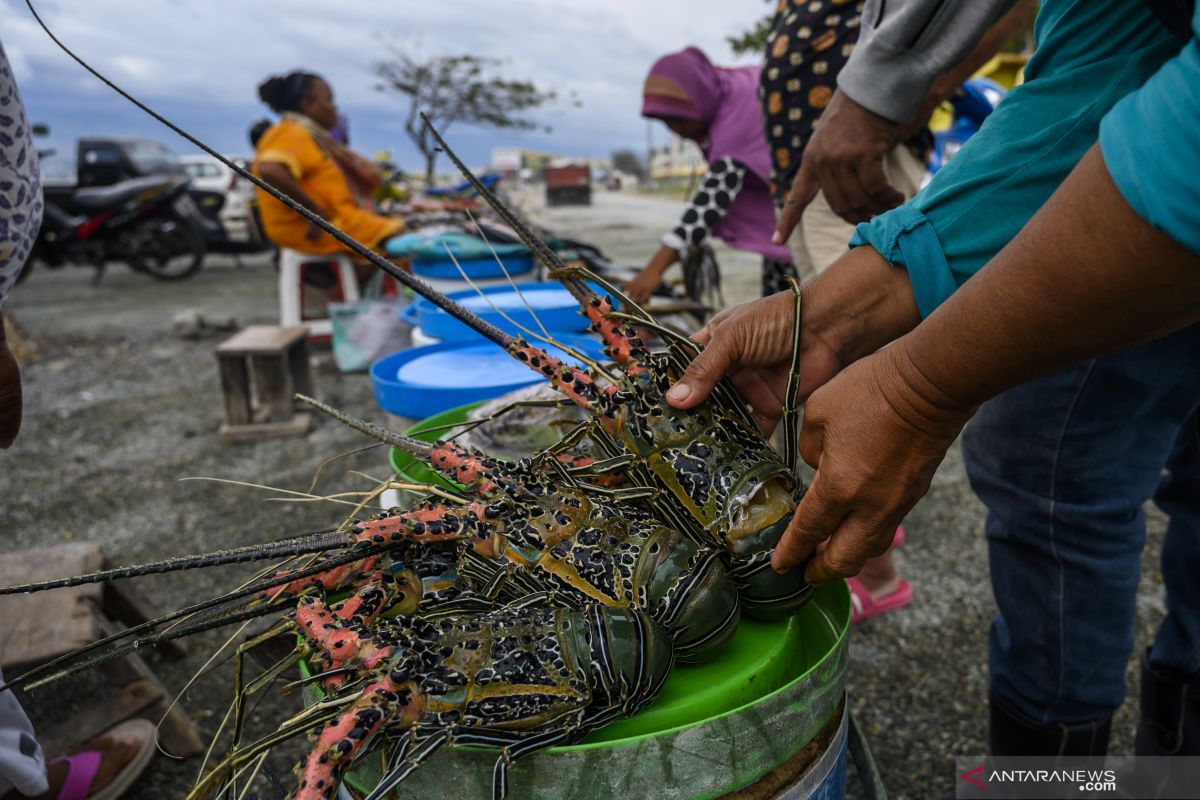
(712, 486)
(521, 678)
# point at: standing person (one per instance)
(114, 762)
(300, 157)
(1065, 462)
(717, 108)
(808, 45)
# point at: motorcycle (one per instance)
(149, 223)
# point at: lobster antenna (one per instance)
(411, 281)
(310, 543)
(413, 447)
(507, 276)
(152, 639)
(355, 553)
(547, 256)
(533, 335)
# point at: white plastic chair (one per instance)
(291, 302)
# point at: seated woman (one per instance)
(718, 109)
(300, 158)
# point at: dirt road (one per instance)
(120, 411)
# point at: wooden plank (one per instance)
(235, 387)
(37, 627)
(273, 386)
(260, 339)
(238, 434)
(300, 368)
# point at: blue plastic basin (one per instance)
(552, 304)
(423, 381)
(476, 268)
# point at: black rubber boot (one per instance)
(1011, 733)
(1170, 721)
(1169, 726)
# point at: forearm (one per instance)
(989, 45)
(278, 176)
(1087, 276)
(859, 304)
(661, 261)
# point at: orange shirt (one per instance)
(288, 143)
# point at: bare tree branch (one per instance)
(453, 89)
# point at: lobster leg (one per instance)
(413, 756)
(398, 703)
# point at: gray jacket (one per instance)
(906, 44)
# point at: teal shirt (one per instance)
(1151, 146)
(1090, 54)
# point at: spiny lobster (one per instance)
(579, 645)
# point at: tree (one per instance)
(754, 41)
(629, 162)
(451, 89)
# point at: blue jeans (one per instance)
(1064, 465)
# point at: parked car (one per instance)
(225, 195)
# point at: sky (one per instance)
(198, 62)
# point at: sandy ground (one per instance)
(119, 411)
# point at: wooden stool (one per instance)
(39, 627)
(278, 357)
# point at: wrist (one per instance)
(916, 396)
(859, 304)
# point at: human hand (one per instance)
(752, 344)
(642, 286)
(875, 435)
(844, 159)
(10, 393)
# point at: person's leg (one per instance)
(824, 235)
(1170, 708)
(1063, 465)
(802, 262)
(905, 171)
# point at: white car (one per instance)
(208, 174)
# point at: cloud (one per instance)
(205, 60)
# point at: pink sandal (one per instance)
(864, 606)
(83, 766)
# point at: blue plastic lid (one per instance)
(552, 304)
(423, 381)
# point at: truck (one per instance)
(569, 184)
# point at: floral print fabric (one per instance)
(20, 182)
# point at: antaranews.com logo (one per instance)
(1103, 777)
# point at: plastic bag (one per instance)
(367, 330)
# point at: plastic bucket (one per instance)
(730, 732)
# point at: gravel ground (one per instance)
(119, 410)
